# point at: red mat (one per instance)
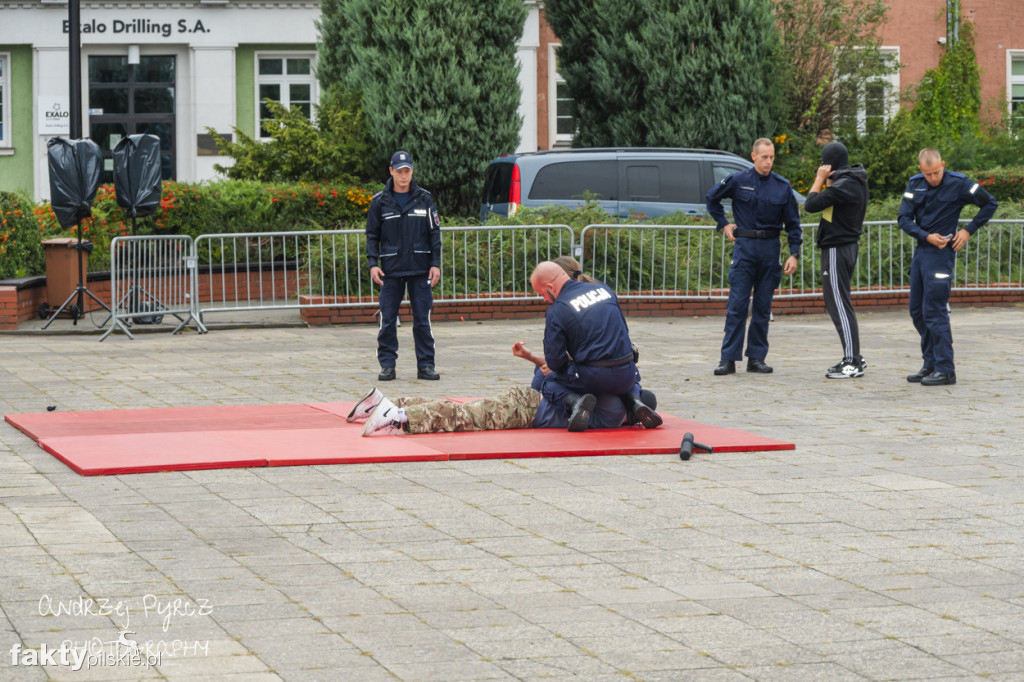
(219, 437)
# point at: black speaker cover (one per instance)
(137, 174)
(75, 167)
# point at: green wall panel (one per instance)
(16, 171)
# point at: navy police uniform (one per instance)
(587, 348)
(404, 242)
(761, 205)
(926, 210)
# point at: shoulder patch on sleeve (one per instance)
(908, 195)
(974, 188)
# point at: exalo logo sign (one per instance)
(54, 116)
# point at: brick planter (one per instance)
(653, 306)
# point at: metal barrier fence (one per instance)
(150, 277)
(495, 263)
(259, 271)
(255, 271)
(691, 262)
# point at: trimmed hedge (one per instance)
(228, 206)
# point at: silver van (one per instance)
(651, 181)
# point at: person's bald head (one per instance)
(548, 279)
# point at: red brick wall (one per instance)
(915, 26)
(547, 36)
(17, 306)
(518, 310)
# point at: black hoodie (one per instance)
(843, 203)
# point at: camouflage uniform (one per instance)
(513, 408)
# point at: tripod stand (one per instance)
(78, 309)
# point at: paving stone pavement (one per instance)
(887, 546)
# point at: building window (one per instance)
(1016, 84)
(560, 124)
(5, 99)
(868, 105)
(284, 78)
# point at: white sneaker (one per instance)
(846, 370)
(383, 421)
(365, 407)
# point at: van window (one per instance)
(722, 171)
(642, 182)
(676, 182)
(680, 182)
(497, 183)
(561, 181)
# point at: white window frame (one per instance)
(284, 80)
(892, 90)
(554, 80)
(6, 140)
(1011, 80)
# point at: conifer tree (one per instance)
(439, 78)
(648, 73)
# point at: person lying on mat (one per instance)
(517, 407)
(586, 347)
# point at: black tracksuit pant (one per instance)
(837, 266)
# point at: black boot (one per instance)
(580, 407)
(639, 412)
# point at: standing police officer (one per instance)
(403, 247)
(762, 203)
(929, 212)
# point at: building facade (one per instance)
(178, 68)
(175, 69)
(914, 36)
(916, 33)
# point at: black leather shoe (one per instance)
(939, 379)
(427, 373)
(725, 367)
(921, 374)
(581, 407)
(758, 366)
(640, 413)
(386, 374)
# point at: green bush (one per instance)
(1005, 184)
(21, 236)
(797, 158)
(249, 206)
(229, 206)
(332, 148)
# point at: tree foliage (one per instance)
(649, 73)
(334, 147)
(438, 78)
(826, 43)
(948, 98)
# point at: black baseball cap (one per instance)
(401, 159)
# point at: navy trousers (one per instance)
(578, 379)
(931, 279)
(606, 383)
(421, 299)
(755, 267)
